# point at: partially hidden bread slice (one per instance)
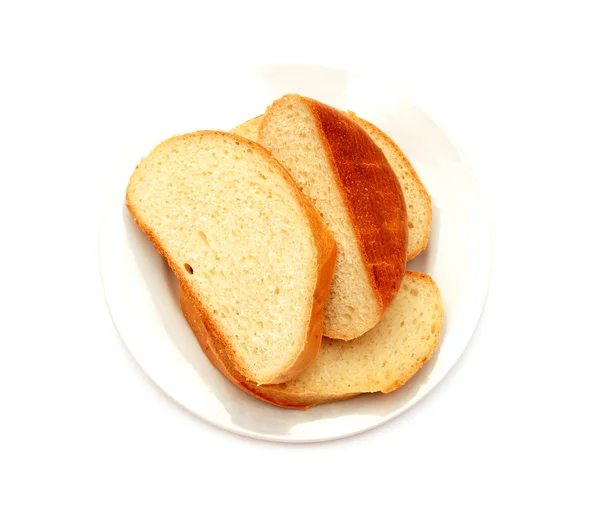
(249, 249)
(248, 129)
(418, 201)
(382, 360)
(350, 182)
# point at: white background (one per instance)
(515, 424)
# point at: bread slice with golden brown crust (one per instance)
(418, 201)
(350, 182)
(382, 360)
(251, 252)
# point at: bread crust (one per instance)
(416, 180)
(325, 247)
(276, 394)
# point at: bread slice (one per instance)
(382, 360)
(250, 250)
(349, 180)
(248, 129)
(418, 201)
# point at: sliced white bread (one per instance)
(350, 182)
(248, 129)
(382, 360)
(249, 249)
(418, 201)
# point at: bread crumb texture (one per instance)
(228, 223)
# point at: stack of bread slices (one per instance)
(289, 237)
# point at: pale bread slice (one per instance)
(382, 360)
(350, 182)
(248, 129)
(245, 243)
(418, 201)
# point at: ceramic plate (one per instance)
(141, 292)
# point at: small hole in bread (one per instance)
(410, 224)
(188, 268)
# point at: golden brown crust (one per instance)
(416, 180)
(372, 195)
(326, 252)
(278, 394)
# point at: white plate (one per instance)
(142, 294)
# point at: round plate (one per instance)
(142, 296)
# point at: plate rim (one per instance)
(111, 199)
